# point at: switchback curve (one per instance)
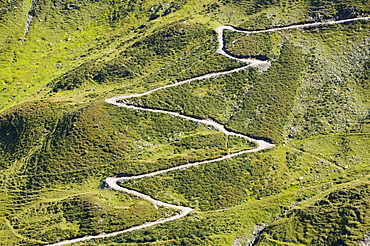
(112, 182)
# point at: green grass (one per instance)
(40, 146)
(59, 140)
(61, 40)
(220, 224)
(87, 214)
(339, 217)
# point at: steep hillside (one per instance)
(59, 139)
(339, 218)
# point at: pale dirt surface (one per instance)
(365, 241)
(261, 145)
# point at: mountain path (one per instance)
(112, 182)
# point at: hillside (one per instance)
(305, 90)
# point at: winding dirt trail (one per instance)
(261, 145)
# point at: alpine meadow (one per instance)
(189, 122)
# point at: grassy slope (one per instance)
(338, 218)
(47, 151)
(75, 56)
